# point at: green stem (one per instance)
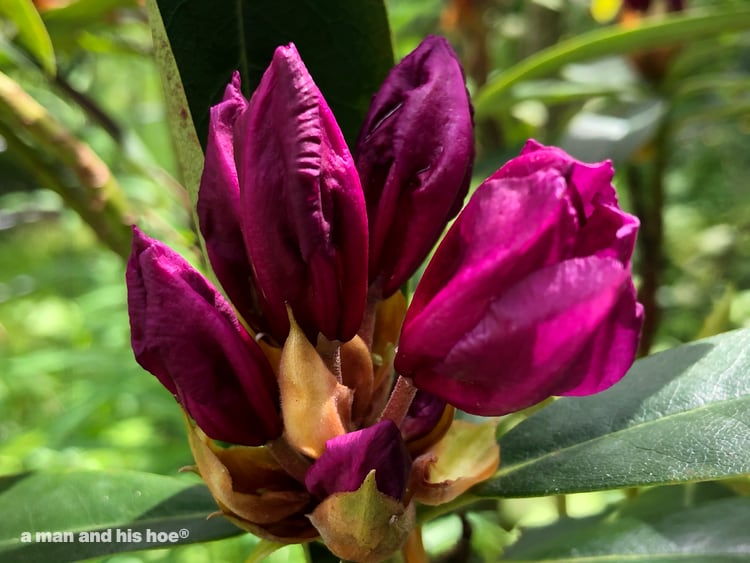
(97, 197)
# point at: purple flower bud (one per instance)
(219, 208)
(349, 458)
(424, 413)
(186, 334)
(414, 156)
(303, 212)
(530, 294)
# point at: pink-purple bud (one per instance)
(186, 334)
(302, 210)
(349, 458)
(219, 209)
(530, 293)
(414, 155)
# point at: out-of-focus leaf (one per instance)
(610, 40)
(560, 91)
(129, 508)
(85, 12)
(345, 45)
(678, 416)
(668, 524)
(593, 137)
(32, 33)
(717, 320)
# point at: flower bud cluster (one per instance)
(528, 295)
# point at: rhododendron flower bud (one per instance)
(302, 209)
(186, 334)
(349, 458)
(530, 293)
(219, 209)
(414, 156)
(361, 478)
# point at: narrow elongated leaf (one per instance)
(50, 516)
(610, 40)
(345, 45)
(669, 524)
(31, 31)
(679, 416)
(187, 147)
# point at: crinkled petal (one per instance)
(303, 213)
(349, 458)
(186, 334)
(219, 208)
(414, 156)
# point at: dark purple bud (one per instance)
(530, 293)
(303, 213)
(186, 334)
(414, 156)
(424, 413)
(349, 458)
(219, 208)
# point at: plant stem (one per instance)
(399, 401)
(32, 132)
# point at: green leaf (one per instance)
(129, 508)
(610, 40)
(188, 151)
(678, 416)
(85, 12)
(668, 524)
(32, 33)
(345, 45)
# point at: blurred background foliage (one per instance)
(674, 120)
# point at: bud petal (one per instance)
(303, 212)
(219, 208)
(523, 292)
(186, 334)
(366, 525)
(414, 156)
(348, 459)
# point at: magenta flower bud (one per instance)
(530, 293)
(186, 334)
(302, 209)
(219, 208)
(423, 415)
(414, 156)
(349, 458)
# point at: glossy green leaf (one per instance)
(345, 45)
(679, 416)
(668, 524)
(32, 33)
(613, 39)
(130, 510)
